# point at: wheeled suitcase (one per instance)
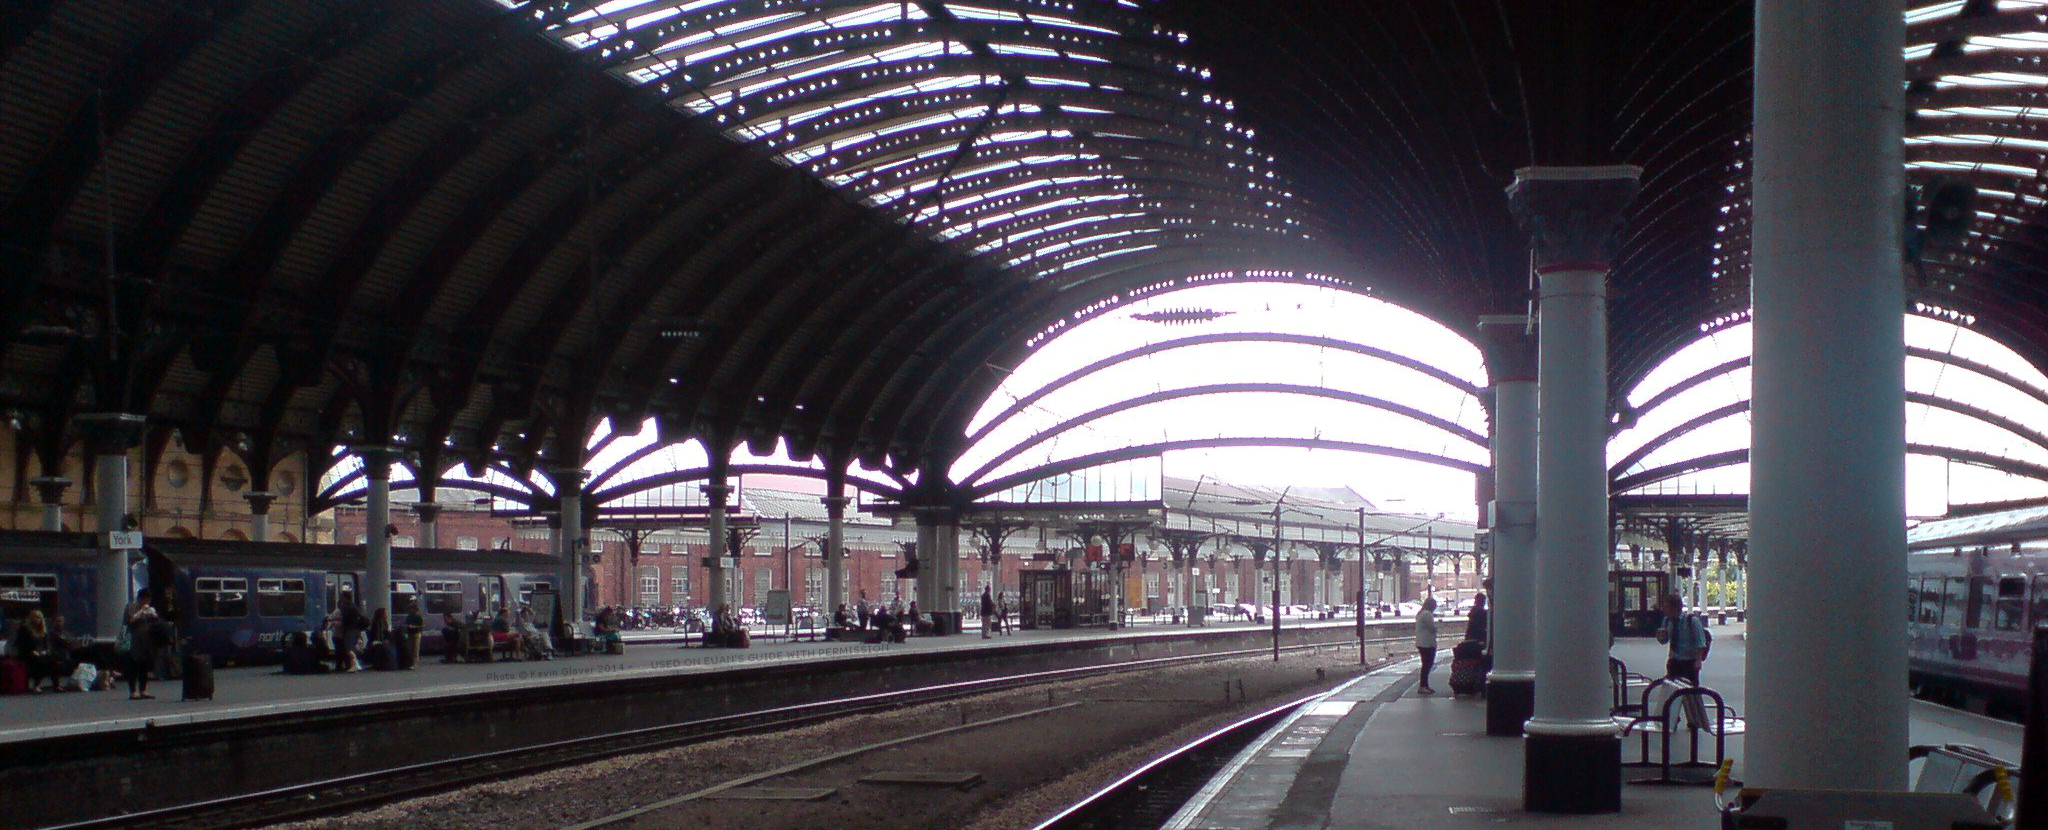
(13, 677)
(1468, 677)
(383, 657)
(198, 676)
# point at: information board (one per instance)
(776, 610)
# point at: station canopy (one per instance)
(474, 229)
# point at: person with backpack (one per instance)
(1688, 638)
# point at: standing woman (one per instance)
(141, 619)
(1425, 640)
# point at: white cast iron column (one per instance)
(1827, 457)
(1572, 756)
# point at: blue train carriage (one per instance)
(56, 573)
(1976, 586)
(239, 601)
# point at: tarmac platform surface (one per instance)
(1374, 755)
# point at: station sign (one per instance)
(124, 540)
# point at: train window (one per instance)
(2040, 596)
(526, 590)
(22, 593)
(340, 586)
(1955, 599)
(444, 597)
(1980, 597)
(280, 597)
(405, 597)
(1930, 601)
(2011, 609)
(221, 597)
(491, 590)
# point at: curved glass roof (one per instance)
(1976, 417)
(1043, 135)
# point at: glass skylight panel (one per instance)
(1937, 11)
(861, 95)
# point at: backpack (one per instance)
(1706, 638)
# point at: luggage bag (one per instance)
(198, 676)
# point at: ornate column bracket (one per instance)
(1573, 215)
(1507, 345)
(427, 512)
(50, 489)
(110, 433)
(377, 461)
(259, 502)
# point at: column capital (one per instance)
(834, 501)
(1507, 346)
(717, 492)
(426, 511)
(50, 488)
(377, 461)
(568, 479)
(259, 502)
(110, 433)
(1573, 215)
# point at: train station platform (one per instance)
(261, 691)
(1374, 754)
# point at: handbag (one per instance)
(124, 641)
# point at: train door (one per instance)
(160, 577)
(490, 593)
(340, 585)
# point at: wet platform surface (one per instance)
(1377, 755)
(256, 691)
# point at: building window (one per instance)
(814, 584)
(403, 542)
(764, 581)
(280, 597)
(177, 474)
(1152, 585)
(679, 584)
(888, 589)
(221, 598)
(465, 543)
(650, 584)
(233, 478)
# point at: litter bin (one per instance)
(1198, 615)
(945, 623)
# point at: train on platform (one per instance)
(238, 601)
(1976, 588)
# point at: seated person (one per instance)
(607, 628)
(842, 618)
(299, 656)
(451, 638)
(504, 631)
(538, 645)
(883, 623)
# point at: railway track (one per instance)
(1149, 796)
(350, 793)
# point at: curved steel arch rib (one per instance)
(1127, 404)
(1069, 378)
(1145, 450)
(1731, 458)
(641, 485)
